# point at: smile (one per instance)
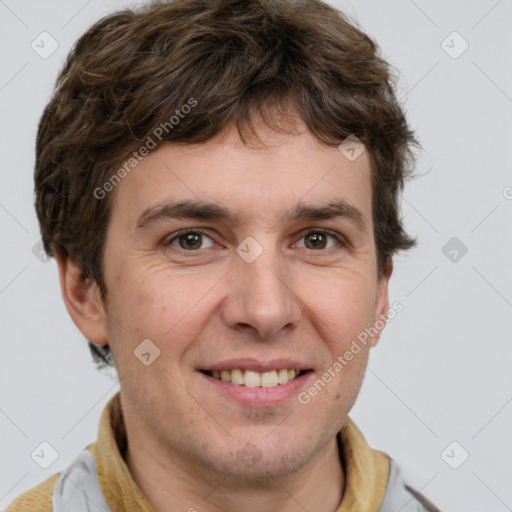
(254, 379)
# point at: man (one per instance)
(218, 182)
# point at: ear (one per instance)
(82, 298)
(381, 310)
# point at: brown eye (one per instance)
(318, 240)
(190, 240)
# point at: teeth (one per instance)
(253, 379)
(282, 376)
(237, 377)
(269, 379)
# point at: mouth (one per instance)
(253, 382)
(255, 379)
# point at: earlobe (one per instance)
(382, 302)
(82, 298)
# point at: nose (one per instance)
(261, 297)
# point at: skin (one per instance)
(294, 301)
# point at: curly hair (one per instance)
(133, 70)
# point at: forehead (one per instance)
(235, 182)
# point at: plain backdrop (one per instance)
(437, 395)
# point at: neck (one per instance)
(170, 486)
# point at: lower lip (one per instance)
(262, 397)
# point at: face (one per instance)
(230, 261)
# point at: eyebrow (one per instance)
(200, 210)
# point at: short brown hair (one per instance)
(133, 71)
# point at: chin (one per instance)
(250, 464)
(265, 470)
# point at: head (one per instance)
(185, 102)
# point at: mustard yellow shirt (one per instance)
(366, 471)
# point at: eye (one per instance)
(189, 240)
(318, 239)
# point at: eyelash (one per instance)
(341, 241)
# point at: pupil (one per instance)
(318, 237)
(189, 240)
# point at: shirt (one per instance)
(99, 479)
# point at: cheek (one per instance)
(164, 307)
(132, 314)
(342, 310)
(140, 296)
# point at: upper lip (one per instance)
(256, 365)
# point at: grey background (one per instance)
(442, 370)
